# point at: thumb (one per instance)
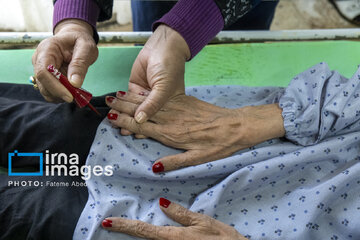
(153, 103)
(179, 214)
(83, 56)
(185, 159)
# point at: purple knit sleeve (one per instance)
(198, 21)
(86, 10)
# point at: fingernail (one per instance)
(107, 223)
(141, 117)
(112, 116)
(164, 202)
(121, 93)
(158, 167)
(76, 80)
(142, 94)
(110, 99)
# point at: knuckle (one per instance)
(137, 127)
(79, 63)
(47, 44)
(90, 47)
(86, 44)
(43, 43)
(119, 106)
(42, 60)
(40, 74)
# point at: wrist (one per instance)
(263, 122)
(165, 36)
(197, 21)
(74, 25)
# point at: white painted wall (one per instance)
(123, 11)
(26, 15)
(36, 15)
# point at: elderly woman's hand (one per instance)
(197, 226)
(72, 50)
(206, 131)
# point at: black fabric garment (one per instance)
(29, 124)
(40, 213)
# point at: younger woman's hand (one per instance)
(71, 50)
(206, 131)
(158, 71)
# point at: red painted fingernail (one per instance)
(158, 167)
(121, 93)
(110, 99)
(112, 116)
(164, 202)
(107, 223)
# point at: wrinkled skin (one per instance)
(158, 69)
(206, 131)
(196, 227)
(71, 50)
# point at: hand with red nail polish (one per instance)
(206, 131)
(195, 226)
(127, 107)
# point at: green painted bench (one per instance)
(252, 64)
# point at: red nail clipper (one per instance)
(82, 97)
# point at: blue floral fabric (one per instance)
(305, 188)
